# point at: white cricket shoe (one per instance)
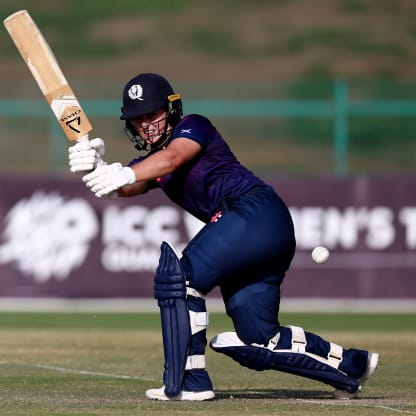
(372, 362)
(159, 394)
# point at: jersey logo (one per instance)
(188, 131)
(216, 217)
(135, 92)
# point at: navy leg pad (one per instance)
(261, 358)
(170, 292)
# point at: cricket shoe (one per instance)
(159, 394)
(372, 362)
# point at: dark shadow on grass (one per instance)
(286, 394)
(273, 394)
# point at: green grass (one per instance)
(101, 364)
(149, 321)
(202, 46)
(221, 28)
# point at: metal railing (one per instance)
(339, 108)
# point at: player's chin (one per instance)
(152, 139)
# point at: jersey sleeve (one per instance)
(194, 127)
(135, 161)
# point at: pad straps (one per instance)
(260, 357)
(299, 343)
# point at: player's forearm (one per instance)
(159, 164)
(134, 189)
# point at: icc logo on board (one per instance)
(49, 236)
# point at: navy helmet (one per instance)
(144, 94)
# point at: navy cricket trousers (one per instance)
(246, 252)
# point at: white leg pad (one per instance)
(195, 361)
(199, 321)
(298, 339)
(335, 355)
(190, 291)
(294, 360)
(299, 342)
(228, 339)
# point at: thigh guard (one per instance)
(294, 360)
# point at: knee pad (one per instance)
(178, 322)
(293, 360)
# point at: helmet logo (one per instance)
(135, 92)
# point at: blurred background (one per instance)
(297, 87)
(302, 90)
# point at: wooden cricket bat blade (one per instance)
(44, 67)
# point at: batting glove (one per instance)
(106, 179)
(86, 156)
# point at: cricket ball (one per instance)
(320, 254)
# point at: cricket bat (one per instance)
(45, 69)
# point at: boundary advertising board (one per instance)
(58, 240)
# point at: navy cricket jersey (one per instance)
(201, 185)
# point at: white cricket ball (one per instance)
(320, 254)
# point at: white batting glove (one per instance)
(86, 156)
(106, 179)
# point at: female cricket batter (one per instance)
(245, 248)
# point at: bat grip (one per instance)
(83, 139)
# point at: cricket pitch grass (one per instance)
(102, 363)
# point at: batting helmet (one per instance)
(149, 92)
(144, 94)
